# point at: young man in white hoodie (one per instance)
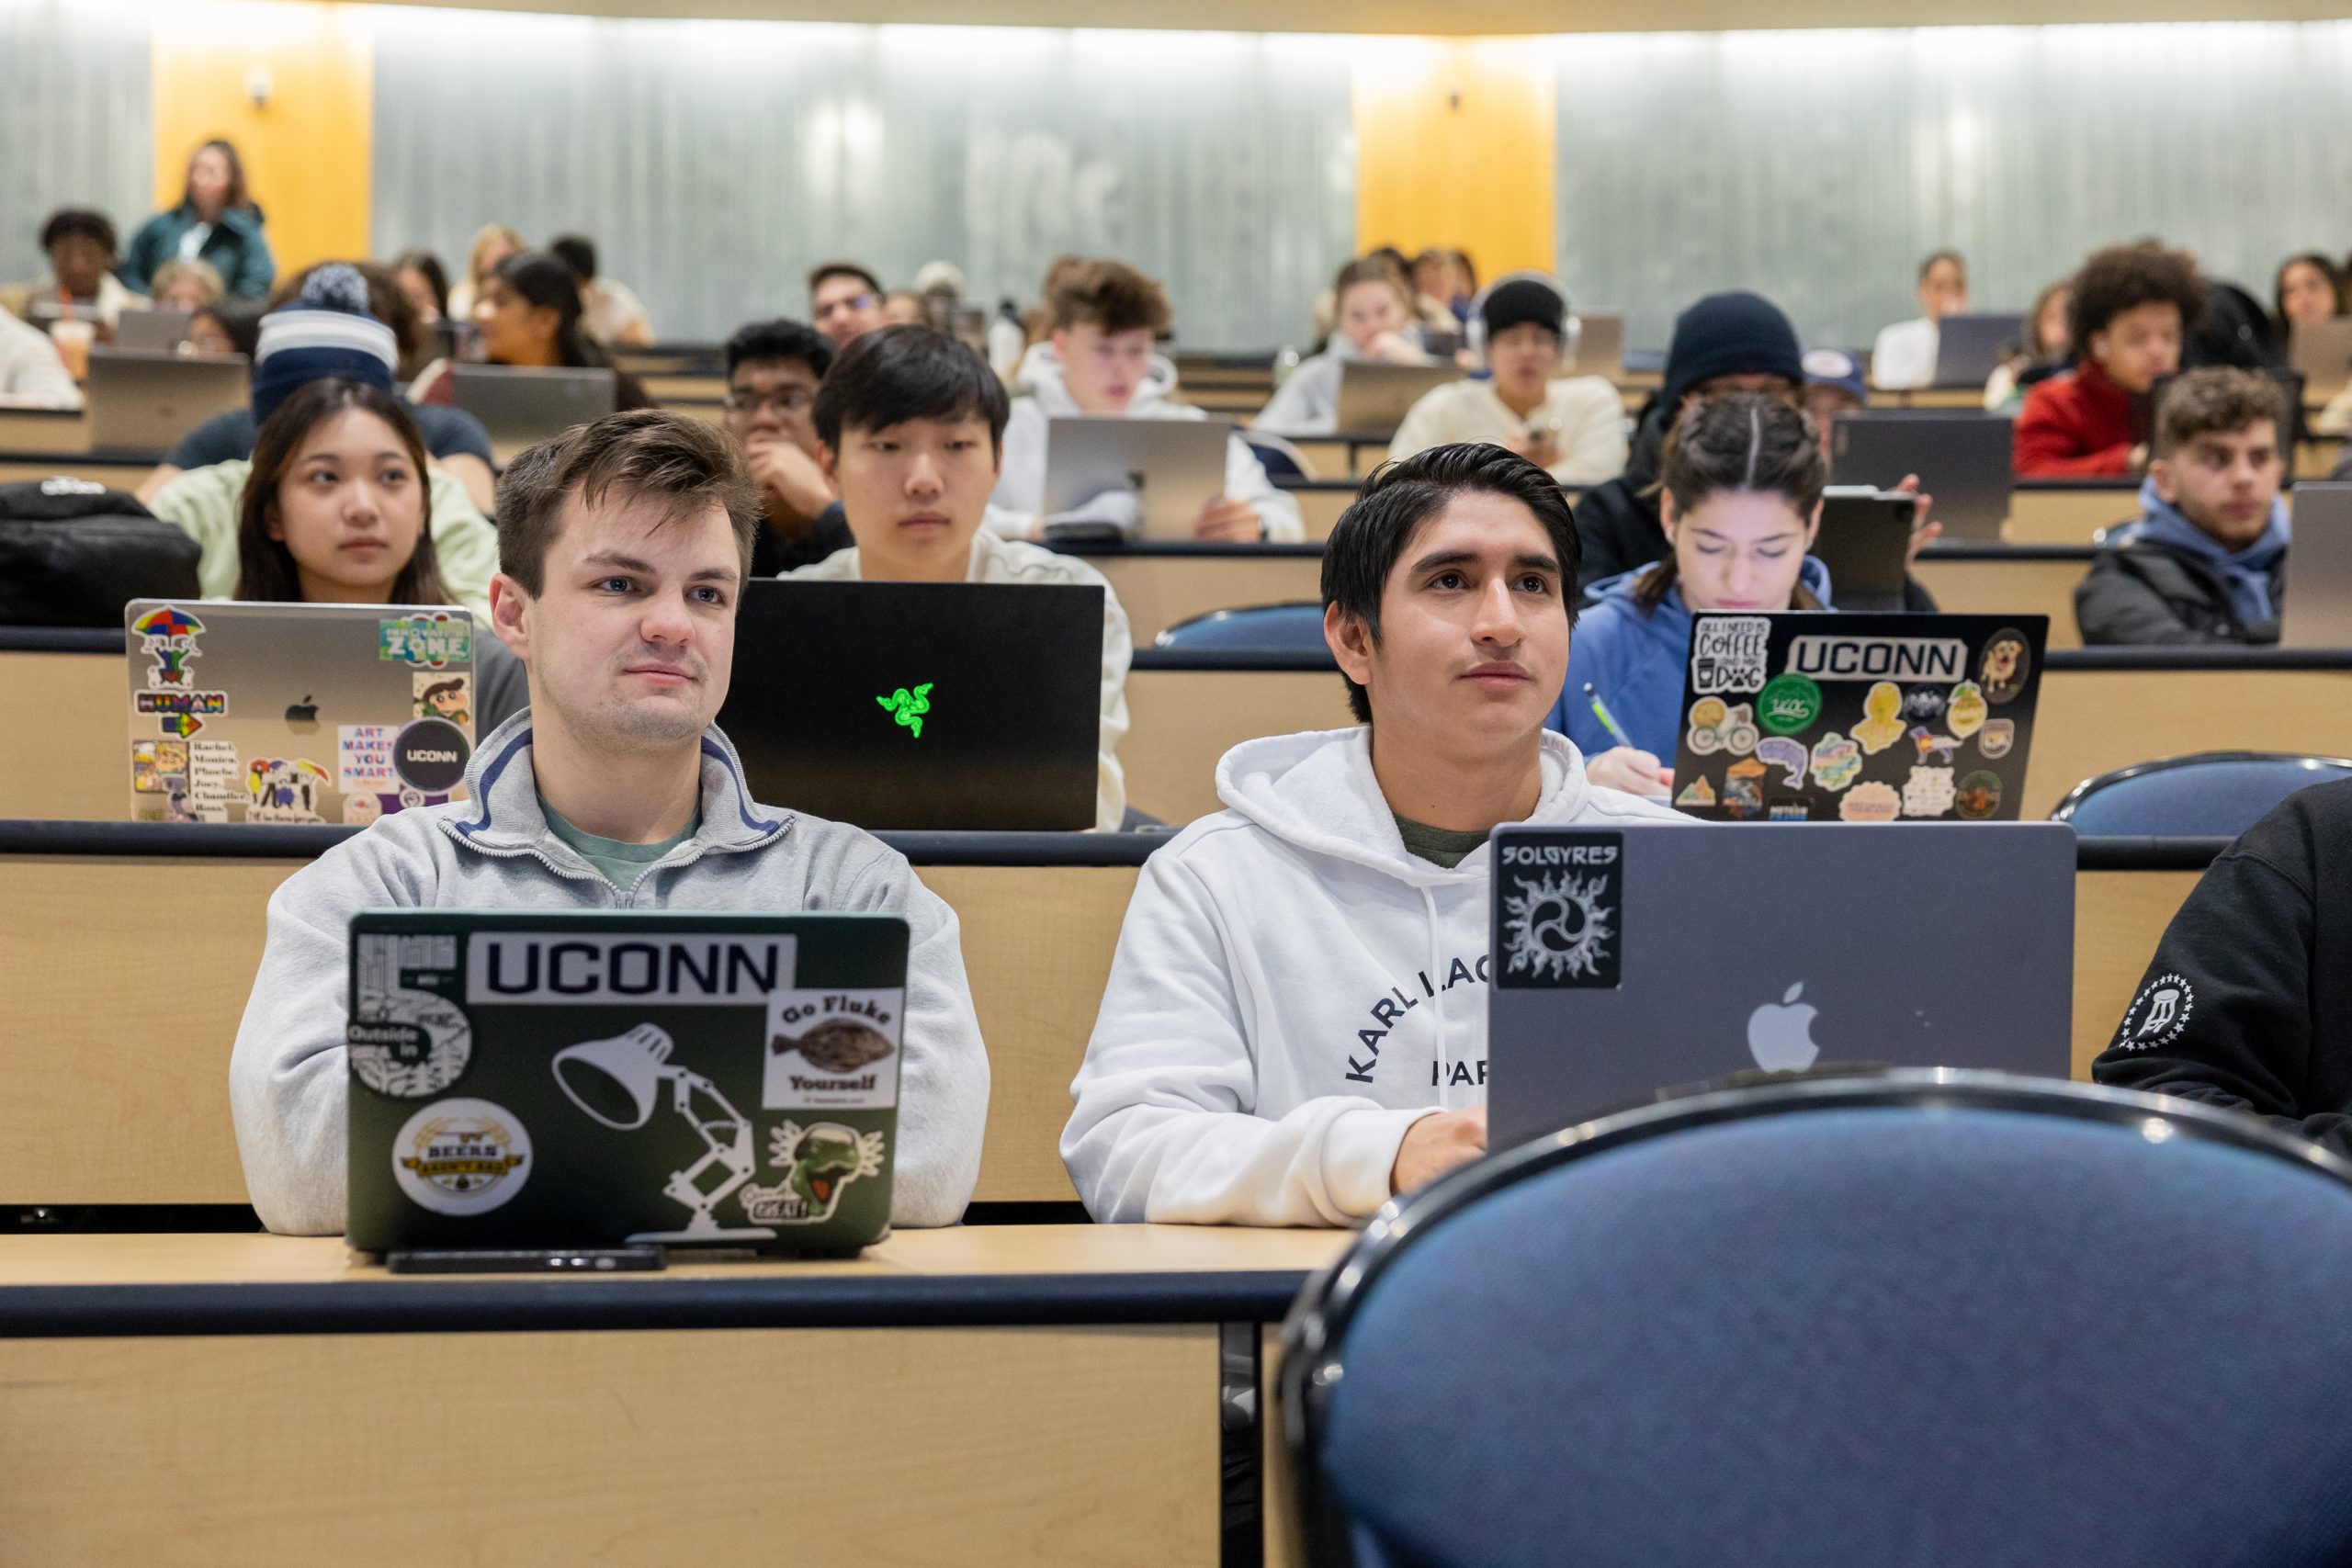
(623, 546)
(909, 425)
(1099, 361)
(1295, 1024)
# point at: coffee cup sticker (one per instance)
(1966, 715)
(1881, 724)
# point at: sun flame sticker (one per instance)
(1560, 912)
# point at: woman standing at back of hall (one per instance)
(215, 222)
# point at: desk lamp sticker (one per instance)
(167, 635)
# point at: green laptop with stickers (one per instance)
(564, 1080)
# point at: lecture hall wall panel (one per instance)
(74, 121)
(715, 163)
(1820, 166)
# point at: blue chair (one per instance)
(1277, 457)
(2210, 795)
(1920, 1317)
(1261, 628)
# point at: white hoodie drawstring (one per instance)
(1429, 907)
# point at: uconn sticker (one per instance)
(560, 969)
(1560, 911)
(2157, 1014)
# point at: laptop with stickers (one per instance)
(1961, 459)
(555, 1079)
(297, 714)
(921, 706)
(1651, 957)
(1826, 717)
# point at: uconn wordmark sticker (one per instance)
(1560, 911)
(563, 969)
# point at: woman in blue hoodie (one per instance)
(1742, 478)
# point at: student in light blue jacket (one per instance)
(1742, 479)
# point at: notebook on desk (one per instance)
(566, 1079)
(296, 713)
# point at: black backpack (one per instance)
(72, 553)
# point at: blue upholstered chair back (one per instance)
(1263, 628)
(1277, 457)
(2212, 794)
(1973, 1320)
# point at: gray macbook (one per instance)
(151, 331)
(1633, 960)
(1173, 467)
(1968, 348)
(521, 408)
(1375, 398)
(1600, 347)
(145, 403)
(2322, 352)
(2318, 605)
(1962, 459)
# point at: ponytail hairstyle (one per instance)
(1743, 441)
(546, 282)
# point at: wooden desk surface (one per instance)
(29, 1263)
(217, 1428)
(131, 973)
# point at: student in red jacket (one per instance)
(2134, 304)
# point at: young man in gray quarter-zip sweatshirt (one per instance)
(624, 546)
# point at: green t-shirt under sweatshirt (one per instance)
(623, 864)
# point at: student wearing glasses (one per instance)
(845, 302)
(773, 369)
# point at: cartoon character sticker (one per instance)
(1871, 802)
(1881, 724)
(1927, 791)
(285, 790)
(2007, 660)
(1779, 751)
(1837, 762)
(1715, 728)
(1967, 713)
(443, 696)
(159, 767)
(1698, 792)
(1979, 795)
(1744, 789)
(1996, 738)
(819, 1162)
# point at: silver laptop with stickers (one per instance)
(296, 713)
(1633, 960)
(1171, 469)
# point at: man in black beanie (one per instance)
(1571, 426)
(1725, 342)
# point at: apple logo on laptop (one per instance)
(1779, 1036)
(302, 717)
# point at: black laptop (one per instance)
(921, 706)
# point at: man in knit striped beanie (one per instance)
(326, 330)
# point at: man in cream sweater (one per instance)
(911, 431)
(1573, 427)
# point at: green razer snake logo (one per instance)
(908, 706)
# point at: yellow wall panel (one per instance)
(308, 148)
(1454, 146)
